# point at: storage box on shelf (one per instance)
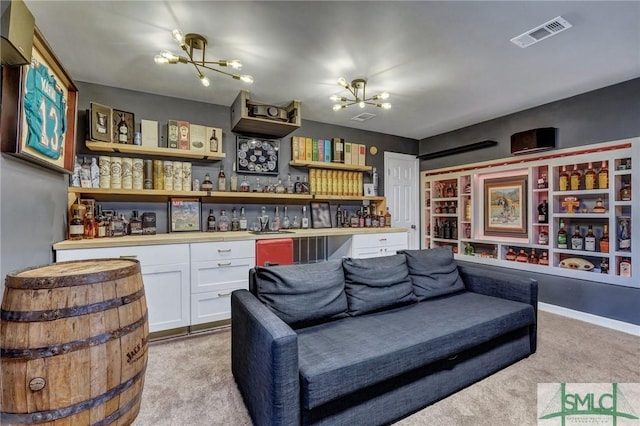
(244, 121)
(600, 197)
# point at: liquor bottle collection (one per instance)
(88, 220)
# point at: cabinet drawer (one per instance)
(211, 306)
(380, 240)
(219, 274)
(222, 250)
(147, 255)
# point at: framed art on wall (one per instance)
(39, 106)
(184, 214)
(100, 122)
(258, 156)
(123, 127)
(320, 215)
(505, 207)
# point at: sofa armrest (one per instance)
(264, 361)
(495, 283)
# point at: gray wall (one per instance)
(602, 115)
(33, 200)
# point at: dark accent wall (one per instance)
(602, 115)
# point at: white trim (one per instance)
(624, 327)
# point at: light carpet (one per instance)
(189, 380)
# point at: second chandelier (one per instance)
(357, 88)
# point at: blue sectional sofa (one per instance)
(369, 341)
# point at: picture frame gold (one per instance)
(184, 215)
(505, 207)
(41, 87)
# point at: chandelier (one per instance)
(358, 89)
(191, 42)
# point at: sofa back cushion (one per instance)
(433, 272)
(303, 295)
(377, 283)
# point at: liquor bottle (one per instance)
(446, 230)
(382, 219)
(604, 240)
(450, 192)
(233, 180)
(95, 173)
(244, 185)
(454, 230)
(575, 178)
(297, 187)
(590, 178)
(361, 218)
(85, 173)
(544, 258)
(243, 220)
(207, 185)
(543, 212)
(305, 185)
(258, 187)
(123, 130)
(467, 210)
(101, 223)
(235, 222)
(286, 222)
(625, 192)
(522, 256)
(263, 219)
(387, 218)
(624, 233)
(277, 220)
(511, 255)
(223, 221)
(76, 226)
(604, 265)
(436, 229)
(135, 223)
(305, 219)
(269, 187)
(562, 236)
(279, 188)
(603, 176)
(590, 240)
(296, 222)
(533, 257)
(125, 224)
(355, 221)
(375, 220)
(339, 217)
(211, 222)
(222, 180)
(563, 180)
(89, 224)
(374, 180)
(542, 180)
(213, 142)
(367, 218)
(543, 236)
(75, 177)
(625, 267)
(290, 187)
(577, 242)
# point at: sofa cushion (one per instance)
(433, 272)
(303, 294)
(340, 357)
(377, 283)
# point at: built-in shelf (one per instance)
(332, 166)
(155, 151)
(243, 122)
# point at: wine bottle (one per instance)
(604, 240)
(577, 242)
(213, 142)
(603, 176)
(575, 178)
(222, 180)
(562, 236)
(563, 180)
(590, 240)
(123, 130)
(590, 178)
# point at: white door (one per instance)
(401, 176)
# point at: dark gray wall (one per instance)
(602, 115)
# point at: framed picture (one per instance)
(184, 214)
(39, 110)
(505, 207)
(320, 215)
(100, 117)
(259, 156)
(123, 127)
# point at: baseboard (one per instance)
(622, 326)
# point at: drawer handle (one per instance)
(224, 264)
(224, 250)
(227, 294)
(128, 256)
(382, 239)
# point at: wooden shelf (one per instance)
(156, 151)
(333, 166)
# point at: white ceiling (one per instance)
(446, 64)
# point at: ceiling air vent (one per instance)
(546, 30)
(363, 117)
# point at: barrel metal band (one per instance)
(54, 314)
(60, 413)
(120, 411)
(64, 348)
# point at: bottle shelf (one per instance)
(581, 192)
(331, 166)
(155, 151)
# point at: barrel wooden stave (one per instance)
(84, 374)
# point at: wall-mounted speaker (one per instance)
(533, 140)
(17, 27)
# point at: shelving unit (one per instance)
(576, 207)
(242, 122)
(332, 166)
(156, 151)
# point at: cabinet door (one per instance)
(167, 291)
(219, 274)
(211, 306)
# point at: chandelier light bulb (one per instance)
(334, 98)
(338, 107)
(170, 56)
(178, 36)
(342, 82)
(234, 63)
(386, 105)
(204, 80)
(159, 59)
(384, 95)
(246, 78)
(361, 104)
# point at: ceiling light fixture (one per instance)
(358, 90)
(191, 42)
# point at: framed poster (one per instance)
(320, 215)
(259, 156)
(505, 207)
(123, 127)
(184, 214)
(39, 110)
(100, 117)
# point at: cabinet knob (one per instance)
(224, 250)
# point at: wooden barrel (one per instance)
(73, 343)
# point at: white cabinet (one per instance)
(368, 245)
(165, 273)
(217, 269)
